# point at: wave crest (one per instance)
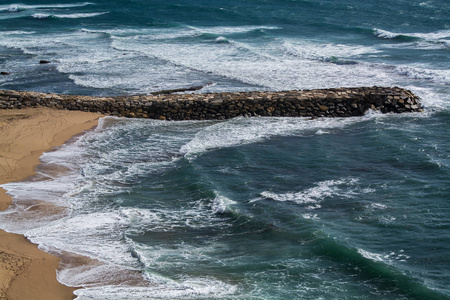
(20, 7)
(385, 34)
(316, 194)
(68, 16)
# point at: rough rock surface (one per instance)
(339, 102)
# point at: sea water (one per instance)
(247, 208)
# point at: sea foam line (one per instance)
(68, 16)
(19, 7)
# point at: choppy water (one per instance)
(260, 208)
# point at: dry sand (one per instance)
(25, 271)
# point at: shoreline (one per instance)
(25, 271)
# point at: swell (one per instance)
(386, 277)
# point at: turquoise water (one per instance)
(248, 208)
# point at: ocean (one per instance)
(247, 208)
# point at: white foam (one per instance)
(431, 99)
(378, 206)
(241, 131)
(310, 216)
(222, 204)
(423, 72)
(97, 235)
(16, 32)
(153, 258)
(385, 34)
(229, 30)
(221, 39)
(427, 4)
(68, 16)
(52, 190)
(430, 40)
(76, 47)
(371, 256)
(193, 288)
(18, 7)
(314, 51)
(10, 8)
(140, 219)
(385, 258)
(322, 190)
(85, 231)
(158, 257)
(41, 16)
(168, 34)
(386, 219)
(89, 61)
(400, 256)
(87, 274)
(440, 34)
(262, 65)
(117, 59)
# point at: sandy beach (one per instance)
(25, 271)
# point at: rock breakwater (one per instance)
(339, 102)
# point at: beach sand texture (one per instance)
(25, 271)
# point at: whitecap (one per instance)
(436, 35)
(222, 204)
(372, 256)
(321, 190)
(310, 216)
(378, 206)
(426, 40)
(385, 258)
(79, 15)
(11, 8)
(41, 16)
(68, 16)
(19, 7)
(385, 34)
(221, 39)
(16, 32)
(321, 131)
(229, 30)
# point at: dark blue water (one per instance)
(260, 208)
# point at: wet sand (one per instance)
(25, 271)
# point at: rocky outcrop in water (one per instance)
(339, 102)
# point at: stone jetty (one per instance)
(338, 102)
